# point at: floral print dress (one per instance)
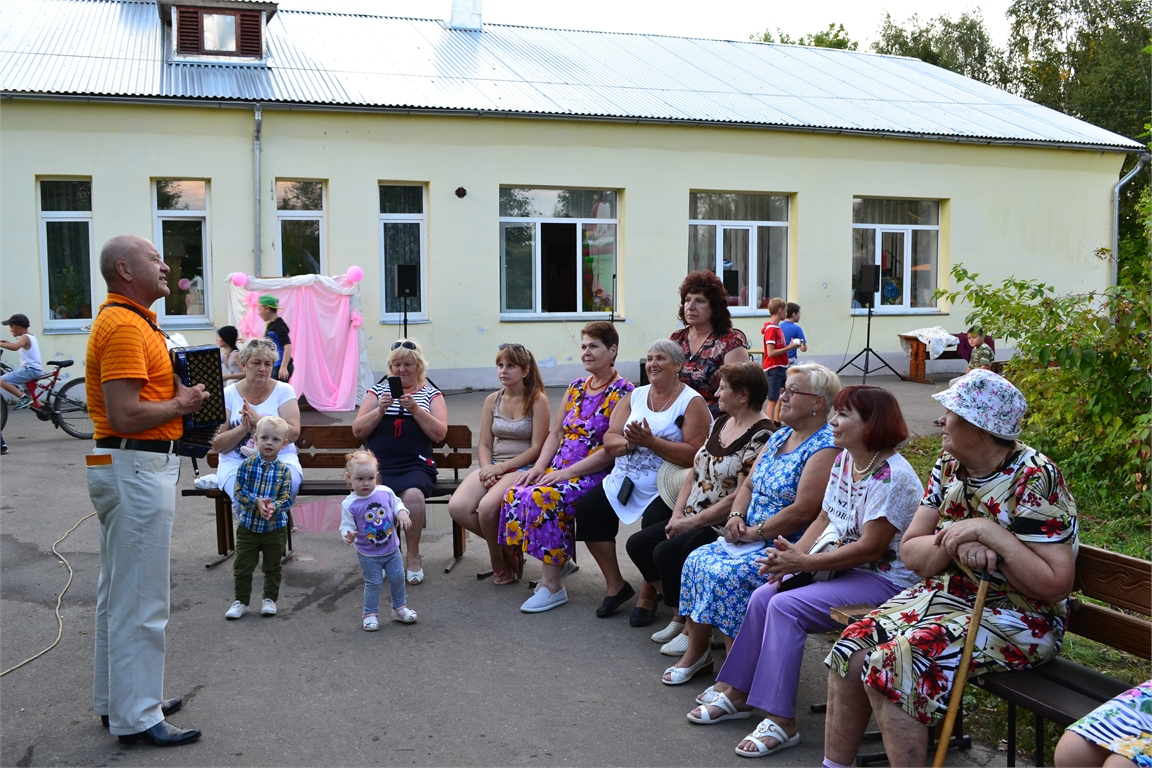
(716, 583)
(915, 639)
(539, 518)
(1123, 725)
(701, 370)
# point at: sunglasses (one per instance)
(405, 344)
(513, 347)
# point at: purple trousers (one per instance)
(766, 655)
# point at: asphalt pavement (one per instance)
(474, 682)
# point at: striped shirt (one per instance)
(260, 479)
(423, 397)
(123, 346)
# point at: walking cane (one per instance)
(962, 672)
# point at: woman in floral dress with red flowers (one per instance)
(537, 514)
(992, 503)
(707, 338)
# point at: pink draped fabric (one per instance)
(324, 345)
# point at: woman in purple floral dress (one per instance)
(537, 513)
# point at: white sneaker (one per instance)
(237, 610)
(268, 607)
(543, 600)
(677, 646)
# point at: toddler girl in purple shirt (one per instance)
(369, 518)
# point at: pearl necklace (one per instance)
(862, 472)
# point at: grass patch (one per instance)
(985, 715)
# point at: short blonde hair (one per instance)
(262, 347)
(272, 422)
(821, 380)
(399, 351)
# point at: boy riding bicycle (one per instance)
(30, 367)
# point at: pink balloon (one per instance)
(184, 284)
(239, 279)
(354, 274)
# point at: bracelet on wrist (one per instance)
(739, 515)
(761, 529)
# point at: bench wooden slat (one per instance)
(1047, 698)
(850, 614)
(452, 460)
(1114, 578)
(1118, 630)
(338, 437)
(1085, 681)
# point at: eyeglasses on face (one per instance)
(790, 391)
(405, 344)
(514, 347)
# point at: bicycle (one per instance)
(66, 407)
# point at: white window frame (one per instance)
(51, 323)
(905, 307)
(418, 314)
(321, 215)
(537, 313)
(158, 217)
(747, 310)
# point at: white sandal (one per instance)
(404, 614)
(768, 728)
(677, 646)
(681, 675)
(708, 695)
(669, 632)
(723, 703)
(371, 624)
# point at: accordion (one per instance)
(201, 365)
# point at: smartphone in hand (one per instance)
(395, 388)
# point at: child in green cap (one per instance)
(277, 330)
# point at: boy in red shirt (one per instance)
(775, 358)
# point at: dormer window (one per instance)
(232, 28)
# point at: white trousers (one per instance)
(135, 501)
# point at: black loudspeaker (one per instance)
(869, 278)
(732, 282)
(408, 280)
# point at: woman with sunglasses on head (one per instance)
(537, 516)
(513, 425)
(400, 433)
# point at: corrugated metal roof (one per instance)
(115, 48)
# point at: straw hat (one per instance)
(669, 481)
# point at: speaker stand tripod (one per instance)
(867, 351)
(405, 316)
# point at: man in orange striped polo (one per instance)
(136, 404)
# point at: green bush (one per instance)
(1083, 362)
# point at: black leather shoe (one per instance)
(642, 617)
(613, 602)
(163, 734)
(167, 707)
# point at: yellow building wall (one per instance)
(1028, 212)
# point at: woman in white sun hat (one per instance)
(992, 503)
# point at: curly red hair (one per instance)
(709, 286)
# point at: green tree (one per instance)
(833, 37)
(961, 45)
(1089, 59)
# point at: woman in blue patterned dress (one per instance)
(781, 498)
(537, 516)
(1117, 734)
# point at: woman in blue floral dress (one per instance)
(537, 514)
(1116, 733)
(781, 498)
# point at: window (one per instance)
(557, 250)
(66, 251)
(180, 213)
(403, 243)
(219, 32)
(300, 222)
(744, 239)
(902, 237)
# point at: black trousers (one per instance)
(659, 558)
(597, 521)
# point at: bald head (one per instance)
(132, 267)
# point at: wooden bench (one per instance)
(918, 355)
(1062, 690)
(324, 447)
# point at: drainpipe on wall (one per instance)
(1144, 158)
(258, 116)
